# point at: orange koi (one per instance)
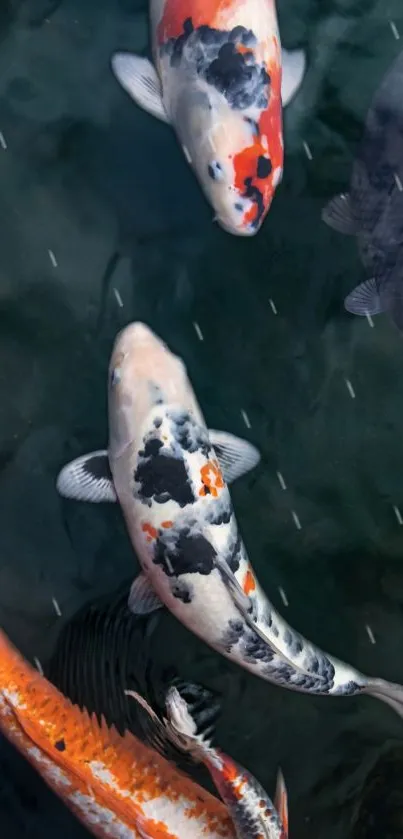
(118, 787)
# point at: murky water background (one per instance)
(102, 223)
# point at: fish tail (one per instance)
(189, 725)
(184, 723)
(388, 692)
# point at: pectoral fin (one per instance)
(338, 215)
(139, 79)
(88, 478)
(293, 71)
(364, 299)
(235, 455)
(142, 598)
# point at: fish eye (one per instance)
(215, 171)
(115, 376)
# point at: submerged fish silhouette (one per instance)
(372, 209)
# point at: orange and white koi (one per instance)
(219, 78)
(253, 813)
(118, 787)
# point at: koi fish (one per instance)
(171, 475)
(177, 718)
(253, 813)
(104, 631)
(372, 209)
(116, 785)
(217, 79)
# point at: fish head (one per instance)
(143, 372)
(236, 154)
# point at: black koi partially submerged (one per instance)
(372, 209)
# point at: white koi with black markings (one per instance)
(170, 475)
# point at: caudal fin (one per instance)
(388, 692)
(189, 724)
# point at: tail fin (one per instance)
(281, 802)
(188, 726)
(388, 692)
(203, 705)
(183, 721)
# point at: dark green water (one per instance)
(93, 184)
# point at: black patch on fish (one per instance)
(254, 194)
(192, 553)
(264, 167)
(236, 554)
(157, 422)
(293, 641)
(182, 591)
(189, 434)
(60, 746)
(163, 477)
(221, 511)
(243, 812)
(254, 126)
(232, 634)
(214, 170)
(239, 78)
(282, 673)
(98, 468)
(254, 648)
(212, 54)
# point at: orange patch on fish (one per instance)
(118, 773)
(268, 144)
(249, 583)
(233, 776)
(211, 478)
(202, 12)
(150, 531)
(166, 524)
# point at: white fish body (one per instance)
(220, 79)
(166, 474)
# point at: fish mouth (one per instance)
(136, 333)
(247, 230)
(134, 340)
